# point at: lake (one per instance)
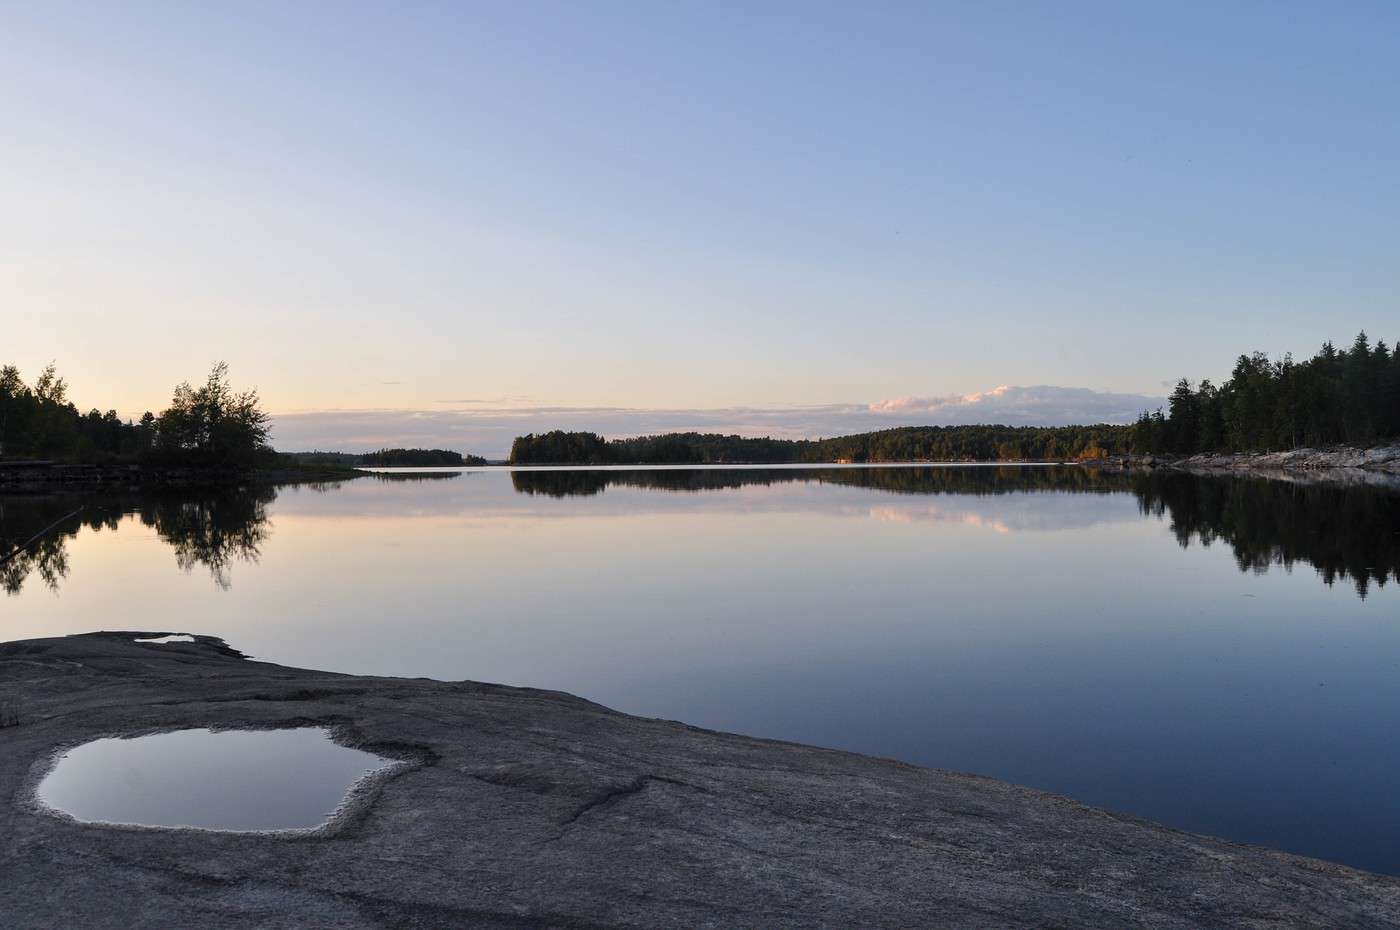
(1218, 654)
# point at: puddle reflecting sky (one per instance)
(1044, 626)
(227, 780)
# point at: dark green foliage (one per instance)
(905, 444)
(40, 422)
(419, 458)
(1350, 397)
(332, 459)
(385, 458)
(559, 446)
(212, 425)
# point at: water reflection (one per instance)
(213, 530)
(415, 476)
(968, 480)
(1346, 531)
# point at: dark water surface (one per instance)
(1218, 654)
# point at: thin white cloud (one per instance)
(1038, 405)
(933, 404)
(489, 430)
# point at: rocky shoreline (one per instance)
(1385, 459)
(524, 809)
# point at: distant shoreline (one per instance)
(53, 476)
(56, 476)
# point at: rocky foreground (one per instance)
(523, 808)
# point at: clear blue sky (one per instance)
(663, 205)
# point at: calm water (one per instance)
(227, 780)
(1193, 651)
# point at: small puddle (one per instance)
(242, 780)
(162, 640)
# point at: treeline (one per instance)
(1338, 396)
(975, 444)
(386, 458)
(904, 444)
(1347, 396)
(211, 425)
(390, 458)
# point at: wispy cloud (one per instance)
(930, 404)
(488, 430)
(1039, 405)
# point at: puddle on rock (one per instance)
(162, 640)
(241, 780)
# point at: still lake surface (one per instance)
(1217, 654)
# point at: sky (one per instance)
(801, 218)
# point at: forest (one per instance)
(392, 458)
(387, 458)
(904, 444)
(1347, 396)
(212, 425)
(209, 425)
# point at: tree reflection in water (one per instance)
(1346, 530)
(209, 527)
(213, 529)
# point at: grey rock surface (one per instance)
(527, 808)
(1377, 466)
